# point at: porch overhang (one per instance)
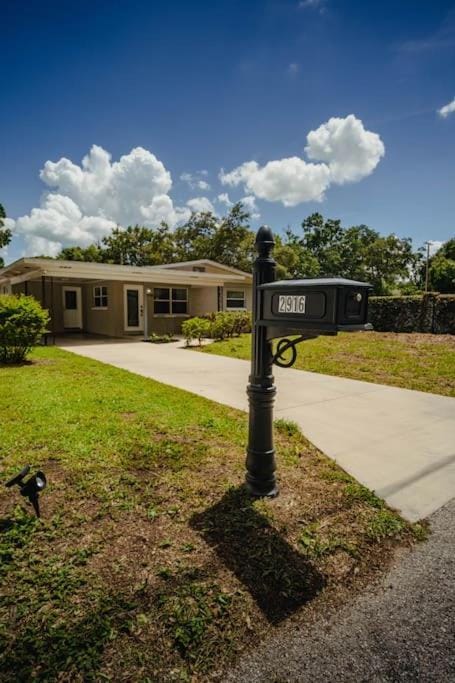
(31, 268)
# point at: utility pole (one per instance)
(427, 266)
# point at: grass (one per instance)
(150, 562)
(423, 362)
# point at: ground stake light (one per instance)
(31, 488)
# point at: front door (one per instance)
(72, 308)
(134, 308)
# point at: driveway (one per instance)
(398, 442)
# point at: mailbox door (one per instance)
(352, 306)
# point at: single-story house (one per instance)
(115, 300)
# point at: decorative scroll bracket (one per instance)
(286, 345)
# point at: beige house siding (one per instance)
(203, 300)
(111, 321)
(53, 299)
(98, 321)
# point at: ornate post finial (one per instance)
(264, 241)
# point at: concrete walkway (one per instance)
(398, 442)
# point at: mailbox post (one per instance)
(260, 461)
(306, 308)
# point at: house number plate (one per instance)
(291, 303)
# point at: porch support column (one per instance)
(43, 300)
(52, 307)
(146, 312)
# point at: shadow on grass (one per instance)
(47, 650)
(278, 578)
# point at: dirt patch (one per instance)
(416, 338)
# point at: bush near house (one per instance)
(428, 313)
(22, 323)
(217, 326)
(195, 328)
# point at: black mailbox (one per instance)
(313, 306)
(295, 310)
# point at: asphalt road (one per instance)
(404, 630)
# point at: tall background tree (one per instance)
(442, 268)
(323, 247)
(5, 233)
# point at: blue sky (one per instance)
(209, 85)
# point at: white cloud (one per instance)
(194, 180)
(249, 202)
(87, 201)
(200, 204)
(163, 209)
(435, 245)
(312, 4)
(223, 198)
(293, 69)
(350, 151)
(346, 152)
(447, 109)
(59, 221)
(290, 181)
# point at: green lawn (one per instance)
(150, 563)
(415, 361)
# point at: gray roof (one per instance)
(315, 282)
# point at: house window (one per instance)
(199, 269)
(100, 297)
(170, 301)
(235, 299)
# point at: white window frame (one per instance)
(170, 301)
(235, 308)
(101, 295)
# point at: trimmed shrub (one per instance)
(22, 323)
(428, 313)
(195, 328)
(229, 323)
(217, 325)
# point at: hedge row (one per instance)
(428, 313)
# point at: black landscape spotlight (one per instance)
(31, 488)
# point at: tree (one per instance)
(233, 241)
(442, 268)
(293, 260)
(139, 246)
(358, 252)
(5, 233)
(193, 240)
(227, 240)
(92, 253)
(322, 238)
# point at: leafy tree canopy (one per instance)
(442, 268)
(5, 233)
(323, 247)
